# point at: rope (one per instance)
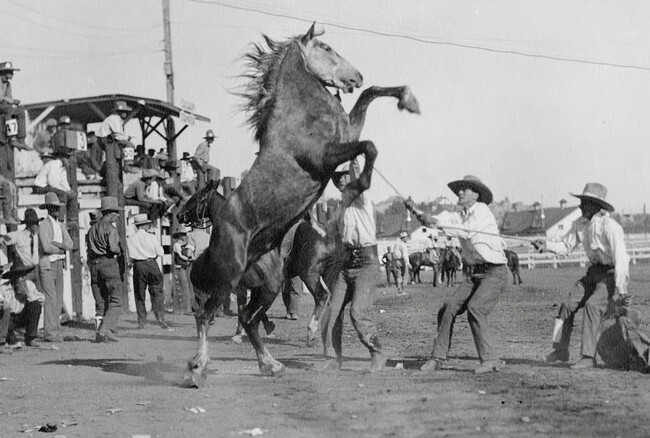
(504, 236)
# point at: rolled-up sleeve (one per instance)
(621, 259)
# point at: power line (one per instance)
(91, 26)
(431, 40)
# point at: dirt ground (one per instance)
(131, 388)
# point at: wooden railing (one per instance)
(578, 258)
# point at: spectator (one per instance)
(54, 242)
(91, 160)
(161, 158)
(181, 266)
(20, 306)
(94, 217)
(25, 243)
(9, 108)
(144, 249)
(388, 260)
(26, 310)
(53, 177)
(149, 161)
(106, 265)
(43, 138)
(112, 128)
(201, 161)
(8, 198)
(188, 175)
(401, 258)
(139, 193)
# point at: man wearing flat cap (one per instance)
(201, 161)
(9, 107)
(104, 252)
(604, 283)
(54, 242)
(476, 228)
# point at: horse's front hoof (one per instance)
(194, 380)
(272, 369)
(409, 102)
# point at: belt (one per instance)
(145, 260)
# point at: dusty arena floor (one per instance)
(131, 388)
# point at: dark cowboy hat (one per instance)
(343, 169)
(31, 217)
(596, 193)
(7, 66)
(51, 199)
(109, 203)
(484, 193)
(186, 156)
(18, 268)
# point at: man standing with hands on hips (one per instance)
(604, 283)
(476, 228)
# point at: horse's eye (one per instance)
(327, 48)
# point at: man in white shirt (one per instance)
(604, 283)
(25, 243)
(401, 258)
(112, 128)
(144, 249)
(476, 228)
(357, 277)
(53, 177)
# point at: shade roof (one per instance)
(94, 109)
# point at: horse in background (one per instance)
(451, 264)
(513, 265)
(304, 133)
(424, 258)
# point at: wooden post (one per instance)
(72, 221)
(114, 188)
(7, 166)
(169, 71)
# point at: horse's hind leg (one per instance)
(241, 292)
(250, 318)
(320, 291)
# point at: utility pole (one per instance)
(169, 72)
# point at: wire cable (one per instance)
(430, 40)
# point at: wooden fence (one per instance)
(533, 260)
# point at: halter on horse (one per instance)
(304, 134)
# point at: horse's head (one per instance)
(324, 63)
(196, 211)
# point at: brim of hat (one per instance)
(20, 271)
(210, 137)
(46, 204)
(111, 209)
(10, 69)
(484, 194)
(606, 205)
(142, 223)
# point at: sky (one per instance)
(535, 98)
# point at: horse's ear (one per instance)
(313, 32)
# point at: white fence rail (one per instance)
(533, 260)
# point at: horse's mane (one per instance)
(262, 64)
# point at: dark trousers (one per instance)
(28, 319)
(594, 292)
(52, 283)
(105, 273)
(5, 318)
(146, 274)
(478, 295)
(291, 295)
(356, 285)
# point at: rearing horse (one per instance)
(304, 134)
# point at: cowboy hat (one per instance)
(94, 216)
(17, 268)
(595, 192)
(109, 203)
(31, 217)
(7, 66)
(51, 199)
(120, 105)
(403, 234)
(141, 219)
(209, 134)
(186, 156)
(149, 173)
(484, 193)
(64, 120)
(51, 123)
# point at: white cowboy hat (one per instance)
(484, 193)
(141, 219)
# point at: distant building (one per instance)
(553, 223)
